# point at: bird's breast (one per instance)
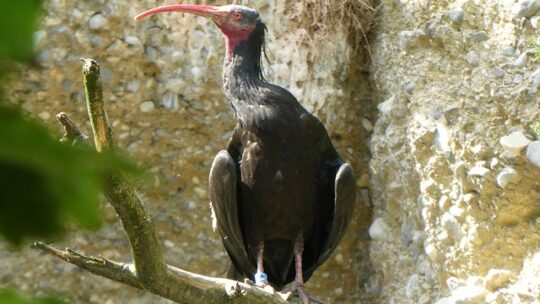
(279, 188)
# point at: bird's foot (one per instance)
(299, 291)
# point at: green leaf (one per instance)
(44, 184)
(11, 297)
(18, 21)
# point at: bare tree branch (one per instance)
(182, 286)
(115, 271)
(149, 271)
(145, 245)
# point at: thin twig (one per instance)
(96, 108)
(205, 289)
(72, 134)
(112, 270)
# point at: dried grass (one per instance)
(320, 18)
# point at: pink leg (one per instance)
(261, 279)
(299, 278)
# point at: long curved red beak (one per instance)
(208, 11)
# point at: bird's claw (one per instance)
(300, 292)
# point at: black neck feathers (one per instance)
(243, 66)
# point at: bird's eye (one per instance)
(238, 16)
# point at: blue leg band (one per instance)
(261, 278)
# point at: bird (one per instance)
(281, 195)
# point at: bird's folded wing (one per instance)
(223, 195)
(345, 196)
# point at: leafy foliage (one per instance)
(11, 297)
(43, 183)
(18, 21)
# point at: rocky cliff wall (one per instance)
(456, 213)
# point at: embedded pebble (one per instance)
(526, 8)
(470, 197)
(431, 251)
(454, 283)
(98, 21)
(479, 37)
(106, 75)
(418, 237)
(457, 211)
(168, 244)
(192, 205)
(508, 176)
(151, 53)
(456, 15)
(444, 202)
(472, 58)
(378, 230)
(364, 181)
(514, 143)
(339, 258)
(134, 86)
(368, 126)
(147, 106)
(449, 222)
(200, 191)
(175, 84)
(493, 163)
(535, 22)
(445, 300)
(509, 50)
(536, 79)
(170, 101)
(43, 56)
(498, 72)
(386, 106)
(45, 115)
(196, 72)
(406, 236)
(469, 294)
(409, 87)
(133, 41)
(443, 237)
(133, 146)
(96, 40)
(533, 153)
(520, 61)
(478, 171)
(411, 285)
